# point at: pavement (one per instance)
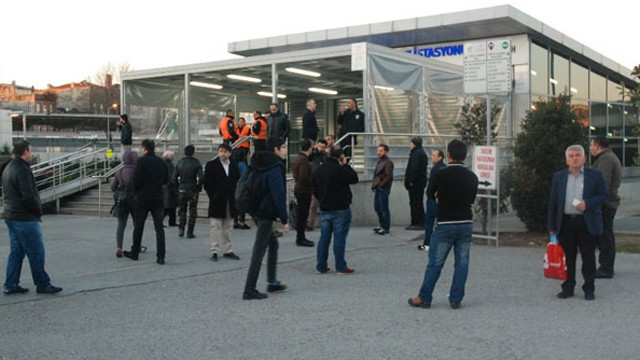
(191, 308)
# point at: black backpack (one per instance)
(248, 191)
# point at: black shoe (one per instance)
(17, 290)
(276, 287)
(173, 225)
(237, 226)
(214, 257)
(143, 249)
(564, 295)
(308, 228)
(231, 256)
(253, 295)
(376, 229)
(191, 236)
(245, 227)
(423, 247)
(601, 274)
(48, 289)
(455, 305)
(277, 233)
(130, 254)
(160, 261)
(181, 232)
(305, 243)
(414, 227)
(589, 296)
(382, 232)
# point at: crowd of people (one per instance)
(582, 204)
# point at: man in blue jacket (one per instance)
(575, 217)
(272, 206)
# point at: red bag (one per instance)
(555, 264)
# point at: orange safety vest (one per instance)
(224, 130)
(245, 131)
(263, 129)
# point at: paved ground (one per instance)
(191, 308)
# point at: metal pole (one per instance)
(489, 144)
(186, 139)
(99, 197)
(274, 83)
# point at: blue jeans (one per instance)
(336, 223)
(26, 239)
(381, 206)
(457, 236)
(429, 220)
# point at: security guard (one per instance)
(259, 131)
(228, 128)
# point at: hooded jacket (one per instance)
(124, 176)
(273, 202)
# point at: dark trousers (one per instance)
(157, 212)
(242, 154)
(187, 199)
(171, 213)
(416, 201)
(381, 206)
(123, 216)
(265, 239)
(607, 242)
(430, 219)
(573, 236)
(304, 201)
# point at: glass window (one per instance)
(598, 119)
(581, 108)
(616, 146)
(615, 120)
(631, 157)
(579, 81)
(559, 78)
(627, 95)
(614, 91)
(597, 86)
(539, 71)
(630, 120)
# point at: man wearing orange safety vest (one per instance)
(244, 131)
(259, 130)
(228, 128)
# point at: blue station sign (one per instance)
(437, 51)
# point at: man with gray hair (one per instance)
(575, 218)
(309, 122)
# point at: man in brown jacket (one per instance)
(303, 190)
(607, 162)
(381, 185)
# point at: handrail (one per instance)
(62, 157)
(39, 170)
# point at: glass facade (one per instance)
(601, 103)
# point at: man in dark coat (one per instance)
(575, 218)
(149, 176)
(221, 176)
(22, 212)
(302, 191)
(277, 123)
(415, 180)
(381, 185)
(126, 132)
(437, 159)
(272, 206)
(169, 191)
(309, 122)
(188, 177)
(352, 120)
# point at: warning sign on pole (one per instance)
(485, 166)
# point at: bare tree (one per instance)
(111, 69)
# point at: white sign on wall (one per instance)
(485, 166)
(487, 67)
(358, 56)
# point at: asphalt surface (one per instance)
(191, 308)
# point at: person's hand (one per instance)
(343, 160)
(285, 229)
(582, 206)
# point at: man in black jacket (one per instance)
(309, 122)
(22, 212)
(277, 123)
(271, 206)
(352, 120)
(415, 180)
(149, 175)
(188, 176)
(220, 179)
(331, 186)
(302, 190)
(437, 159)
(455, 189)
(126, 132)
(317, 158)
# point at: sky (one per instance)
(57, 42)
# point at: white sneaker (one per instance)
(423, 247)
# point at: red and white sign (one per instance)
(485, 166)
